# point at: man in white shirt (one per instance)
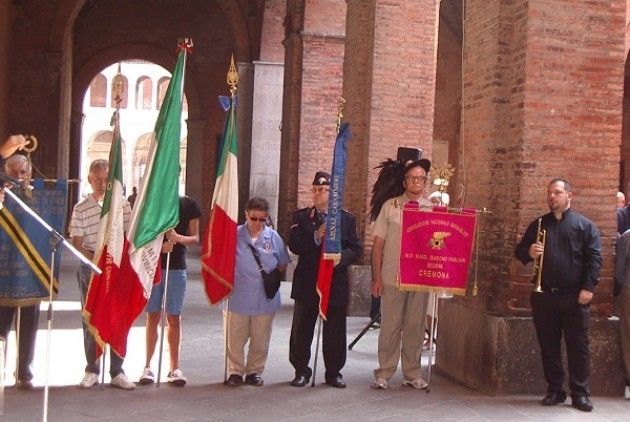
(84, 226)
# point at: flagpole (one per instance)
(18, 332)
(163, 319)
(102, 365)
(226, 310)
(55, 239)
(340, 106)
(431, 338)
(319, 329)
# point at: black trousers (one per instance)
(29, 321)
(556, 316)
(333, 339)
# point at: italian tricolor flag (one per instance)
(219, 245)
(155, 212)
(109, 246)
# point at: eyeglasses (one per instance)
(262, 219)
(416, 178)
(320, 190)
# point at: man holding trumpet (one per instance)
(569, 268)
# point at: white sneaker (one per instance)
(121, 381)
(380, 384)
(147, 377)
(177, 378)
(418, 384)
(89, 379)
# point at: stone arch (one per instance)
(162, 85)
(98, 91)
(128, 51)
(104, 58)
(144, 92)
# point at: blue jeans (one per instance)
(175, 292)
(93, 365)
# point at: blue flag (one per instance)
(25, 245)
(332, 243)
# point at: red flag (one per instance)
(156, 211)
(324, 281)
(109, 248)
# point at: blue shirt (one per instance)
(248, 296)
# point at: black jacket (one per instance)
(572, 259)
(302, 243)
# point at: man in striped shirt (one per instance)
(84, 226)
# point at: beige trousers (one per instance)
(256, 329)
(401, 333)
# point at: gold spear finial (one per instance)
(340, 106)
(232, 77)
(118, 87)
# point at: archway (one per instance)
(137, 120)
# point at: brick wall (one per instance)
(543, 84)
(313, 84)
(271, 49)
(389, 82)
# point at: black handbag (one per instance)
(271, 280)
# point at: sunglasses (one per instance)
(262, 220)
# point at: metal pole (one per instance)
(362, 333)
(55, 238)
(226, 311)
(431, 334)
(18, 331)
(103, 360)
(163, 319)
(319, 329)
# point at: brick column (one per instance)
(389, 86)
(314, 43)
(543, 84)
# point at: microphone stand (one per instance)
(55, 239)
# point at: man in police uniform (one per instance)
(305, 240)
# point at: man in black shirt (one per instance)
(570, 271)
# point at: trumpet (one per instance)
(538, 261)
(26, 181)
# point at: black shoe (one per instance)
(582, 403)
(336, 382)
(24, 385)
(300, 381)
(254, 379)
(234, 380)
(553, 398)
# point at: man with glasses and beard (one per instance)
(571, 265)
(305, 240)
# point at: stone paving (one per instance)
(205, 398)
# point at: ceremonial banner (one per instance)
(435, 250)
(218, 251)
(25, 244)
(155, 212)
(109, 244)
(331, 249)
